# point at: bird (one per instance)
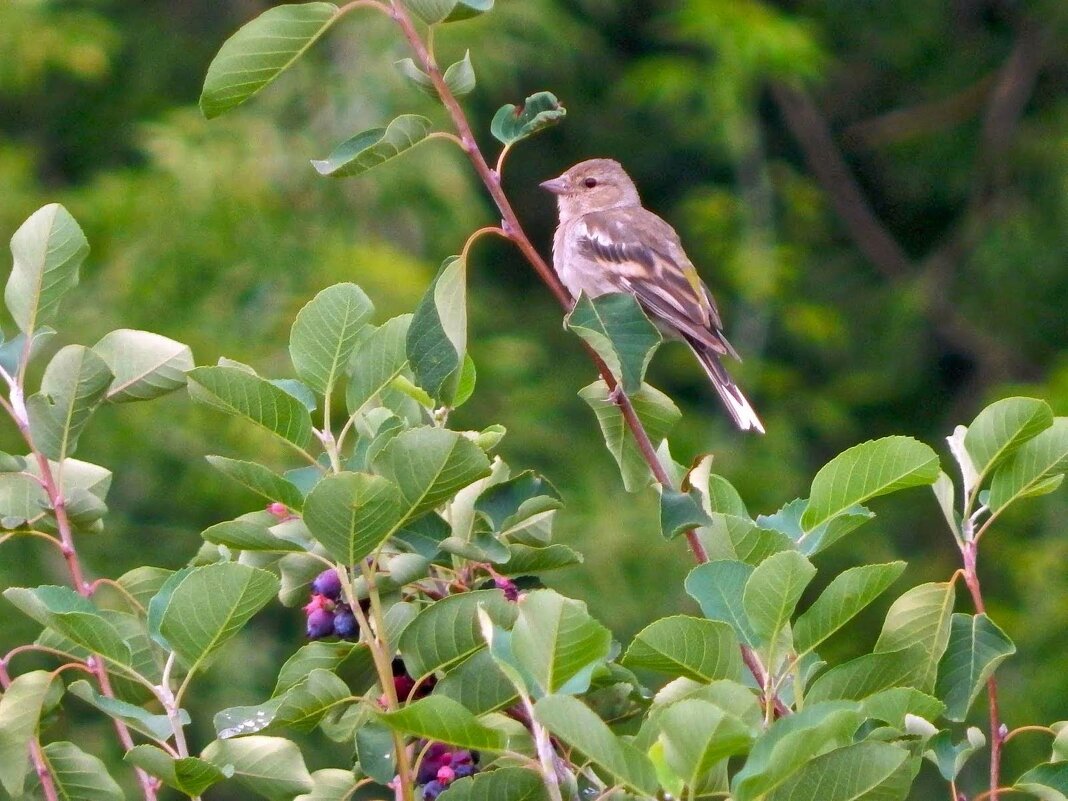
(606, 241)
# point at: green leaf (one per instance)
(1001, 428)
(238, 393)
(894, 704)
(658, 414)
(447, 631)
(269, 766)
(513, 123)
(13, 350)
(849, 593)
(718, 588)
(865, 471)
(75, 617)
(331, 784)
(20, 712)
(437, 337)
(144, 365)
(79, 776)
(703, 650)
(264, 482)
(189, 775)
(434, 11)
(430, 465)
(22, 500)
(790, 743)
(773, 590)
(951, 758)
(352, 514)
(301, 708)
(375, 751)
(1030, 470)
(944, 492)
(200, 609)
(866, 675)
(921, 616)
(370, 148)
(696, 735)
(976, 648)
(442, 719)
(1048, 781)
(313, 656)
(376, 362)
(525, 559)
(575, 724)
(73, 385)
(244, 535)
(260, 51)
(137, 718)
(47, 250)
(478, 684)
(680, 512)
(845, 774)
(502, 784)
(324, 335)
(459, 77)
(617, 329)
(557, 643)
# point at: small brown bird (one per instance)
(606, 242)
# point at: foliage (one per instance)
(402, 489)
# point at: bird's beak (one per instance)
(556, 185)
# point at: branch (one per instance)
(40, 765)
(514, 231)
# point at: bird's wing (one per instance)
(642, 255)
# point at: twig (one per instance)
(997, 736)
(514, 230)
(40, 764)
(17, 410)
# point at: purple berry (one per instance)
(327, 583)
(320, 624)
(431, 790)
(464, 770)
(508, 587)
(345, 624)
(437, 756)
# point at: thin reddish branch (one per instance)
(83, 588)
(970, 552)
(514, 231)
(40, 764)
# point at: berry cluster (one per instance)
(441, 766)
(327, 614)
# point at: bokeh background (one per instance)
(877, 193)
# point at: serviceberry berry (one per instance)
(320, 624)
(508, 587)
(327, 583)
(431, 790)
(345, 624)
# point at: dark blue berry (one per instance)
(431, 790)
(463, 770)
(327, 583)
(320, 624)
(345, 624)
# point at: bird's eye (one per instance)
(590, 183)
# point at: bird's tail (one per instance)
(737, 406)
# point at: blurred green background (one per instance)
(877, 192)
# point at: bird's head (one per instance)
(594, 185)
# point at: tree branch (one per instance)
(514, 231)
